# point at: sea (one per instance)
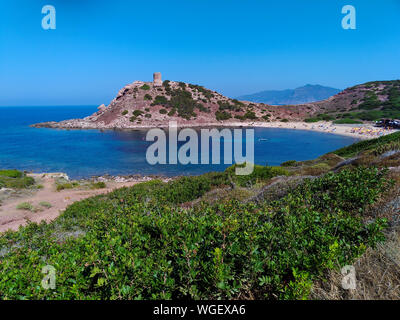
(87, 153)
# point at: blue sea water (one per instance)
(85, 153)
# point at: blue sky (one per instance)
(233, 46)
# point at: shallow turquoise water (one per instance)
(84, 153)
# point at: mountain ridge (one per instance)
(305, 94)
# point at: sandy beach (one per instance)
(360, 131)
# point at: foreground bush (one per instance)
(137, 243)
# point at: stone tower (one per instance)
(157, 82)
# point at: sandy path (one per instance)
(12, 218)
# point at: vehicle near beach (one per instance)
(388, 123)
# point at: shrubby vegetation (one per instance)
(371, 108)
(222, 115)
(160, 100)
(148, 242)
(145, 87)
(137, 113)
(207, 93)
(15, 179)
(181, 101)
(347, 121)
(320, 117)
(366, 145)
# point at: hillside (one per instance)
(279, 233)
(145, 104)
(301, 95)
(366, 102)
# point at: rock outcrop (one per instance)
(154, 104)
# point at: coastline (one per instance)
(360, 131)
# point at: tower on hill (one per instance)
(157, 82)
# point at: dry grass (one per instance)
(377, 274)
(378, 269)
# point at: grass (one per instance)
(25, 206)
(11, 173)
(62, 185)
(45, 204)
(66, 185)
(15, 179)
(97, 185)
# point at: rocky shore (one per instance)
(143, 105)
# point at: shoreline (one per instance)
(361, 131)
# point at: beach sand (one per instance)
(359, 131)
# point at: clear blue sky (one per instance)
(233, 46)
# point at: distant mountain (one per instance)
(306, 94)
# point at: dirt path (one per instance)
(12, 218)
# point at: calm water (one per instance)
(84, 153)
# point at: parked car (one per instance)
(388, 123)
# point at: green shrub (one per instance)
(367, 145)
(222, 115)
(289, 163)
(250, 115)
(132, 248)
(98, 185)
(66, 185)
(45, 204)
(259, 174)
(347, 121)
(160, 100)
(145, 87)
(137, 113)
(11, 173)
(163, 111)
(125, 112)
(148, 97)
(310, 120)
(238, 116)
(15, 179)
(25, 206)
